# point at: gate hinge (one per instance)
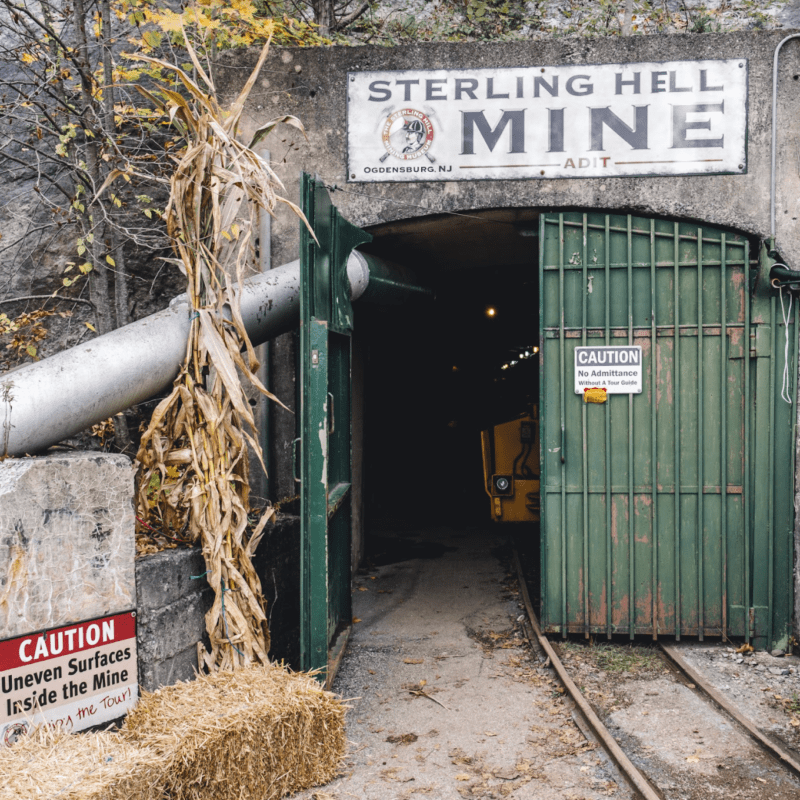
(760, 342)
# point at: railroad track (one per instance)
(779, 777)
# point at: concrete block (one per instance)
(66, 540)
(163, 578)
(164, 632)
(180, 667)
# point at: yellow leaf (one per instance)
(27, 58)
(111, 261)
(227, 236)
(31, 350)
(152, 38)
(413, 660)
(235, 230)
(90, 326)
(355, 620)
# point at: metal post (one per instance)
(677, 425)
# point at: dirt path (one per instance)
(447, 699)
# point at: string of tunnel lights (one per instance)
(528, 352)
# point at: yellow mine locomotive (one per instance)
(511, 468)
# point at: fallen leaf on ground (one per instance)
(404, 738)
(413, 660)
(355, 620)
(508, 774)
(489, 733)
(463, 777)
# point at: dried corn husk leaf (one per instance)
(201, 432)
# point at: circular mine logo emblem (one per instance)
(14, 732)
(407, 134)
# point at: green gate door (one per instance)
(669, 511)
(326, 322)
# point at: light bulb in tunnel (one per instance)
(491, 311)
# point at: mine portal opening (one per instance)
(436, 374)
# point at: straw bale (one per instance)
(261, 732)
(53, 765)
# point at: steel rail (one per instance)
(637, 781)
(720, 702)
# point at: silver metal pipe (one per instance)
(772, 223)
(43, 403)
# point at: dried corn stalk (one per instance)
(193, 463)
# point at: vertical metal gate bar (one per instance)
(723, 400)
(771, 457)
(585, 296)
(746, 411)
(677, 417)
(793, 373)
(609, 585)
(544, 513)
(631, 560)
(561, 346)
(653, 432)
(700, 466)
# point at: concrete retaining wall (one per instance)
(172, 597)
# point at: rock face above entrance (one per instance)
(66, 540)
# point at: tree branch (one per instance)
(352, 17)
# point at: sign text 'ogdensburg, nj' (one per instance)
(608, 120)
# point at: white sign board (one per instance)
(617, 369)
(75, 677)
(606, 120)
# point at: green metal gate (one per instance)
(326, 324)
(667, 512)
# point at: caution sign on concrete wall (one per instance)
(607, 120)
(617, 369)
(76, 676)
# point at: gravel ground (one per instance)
(764, 687)
(684, 745)
(447, 698)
